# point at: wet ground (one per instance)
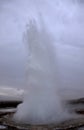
(76, 106)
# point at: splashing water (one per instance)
(43, 103)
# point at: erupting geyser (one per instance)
(41, 103)
(55, 68)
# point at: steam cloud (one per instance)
(42, 102)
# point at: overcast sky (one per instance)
(64, 21)
(12, 48)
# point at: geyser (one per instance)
(53, 72)
(41, 102)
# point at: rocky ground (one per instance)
(76, 106)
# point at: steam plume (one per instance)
(42, 103)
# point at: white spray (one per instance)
(42, 103)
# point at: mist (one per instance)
(57, 31)
(55, 64)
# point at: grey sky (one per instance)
(12, 48)
(64, 21)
